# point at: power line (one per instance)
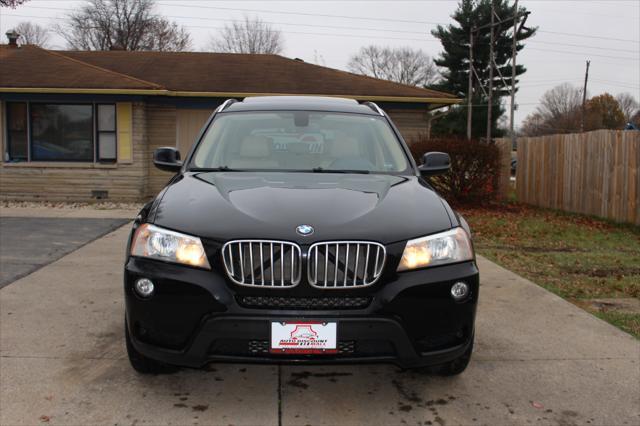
(548, 83)
(432, 39)
(609, 49)
(625, 17)
(283, 31)
(574, 80)
(315, 15)
(590, 36)
(375, 19)
(573, 60)
(266, 22)
(565, 52)
(616, 84)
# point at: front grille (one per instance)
(304, 303)
(345, 264)
(258, 347)
(262, 263)
(261, 347)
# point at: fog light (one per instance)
(144, 287)
(459, 290)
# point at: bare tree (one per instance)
(533, 125)
(558, 112)
(11, 3)
(167, 36)
(402, 65)
(31, 33)
(248, 36)
(122, 24)
(628, 105)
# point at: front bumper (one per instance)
(195, 317)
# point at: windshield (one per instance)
(300, 141)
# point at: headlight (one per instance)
(157, 243)
(439, 249)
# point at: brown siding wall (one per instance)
(411, 123)
(189, 122)
(161, 131)
(75, 181)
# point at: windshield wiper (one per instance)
(321, 170)
(213, 169)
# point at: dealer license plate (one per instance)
(304, 337)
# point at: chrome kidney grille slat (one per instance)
(345, 264)
(263, 263)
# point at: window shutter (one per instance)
(125, 142)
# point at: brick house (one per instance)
(80, 125)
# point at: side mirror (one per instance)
(435, 163)
(167, 159)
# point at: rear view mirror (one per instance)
(301, 119)
(167, 159)
(435, 163)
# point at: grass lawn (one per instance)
(593, 263)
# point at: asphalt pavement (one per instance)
(538, 361)
(27, 244)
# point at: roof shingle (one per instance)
(188, 73)
(32, 67)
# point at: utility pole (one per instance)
(514, 51)
(491, 60)
(492, 63)
(584, 96)
(470, 87)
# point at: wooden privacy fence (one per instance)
(595, 173)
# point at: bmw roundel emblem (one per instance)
(304, 230)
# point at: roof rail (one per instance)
(226, 104)
(374, 107)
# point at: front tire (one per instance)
(141, 363)
(451, 368)
(458, 365)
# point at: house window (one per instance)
(107, 132)
(61, 132)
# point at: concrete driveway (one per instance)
(538, 360)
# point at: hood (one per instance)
(237, 205)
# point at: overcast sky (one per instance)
(328, 32)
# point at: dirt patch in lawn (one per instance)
(604, 272)
(626, 306)
(535, 249)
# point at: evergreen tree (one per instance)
(454, 63)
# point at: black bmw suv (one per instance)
(299, 229)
